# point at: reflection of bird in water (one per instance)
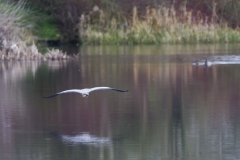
(207, 63)
(85, 92)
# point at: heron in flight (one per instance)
(85, 92)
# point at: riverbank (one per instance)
(159, 25)
(14, 48)
(17, 41)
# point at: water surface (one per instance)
(173, 110)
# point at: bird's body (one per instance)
(85, 92)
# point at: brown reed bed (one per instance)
(16, 49)
(156, 26)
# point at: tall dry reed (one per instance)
(158, 25)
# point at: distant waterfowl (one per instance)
(85, 92)
(196, 63)
(207, 63)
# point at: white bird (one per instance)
(85, 92)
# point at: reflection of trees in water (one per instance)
(19, 110)
(17, 70)
(13, 102)
(196, 116)
(171, 108)
(15, 80)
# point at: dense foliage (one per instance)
(68, 12)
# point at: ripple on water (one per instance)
(86, 138)
(219, 60)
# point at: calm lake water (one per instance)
(173, 110)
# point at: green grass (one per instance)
(26, 24)
(179, 34)
(162, 25)
(46, 27)
(16, 19)
(16, 39)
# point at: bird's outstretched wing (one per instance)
(63, 92)
(106, 88)
(85, 91)
(119, 90)
(52, 96)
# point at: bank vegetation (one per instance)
(16, 39)
(157, 25)
(131, 22)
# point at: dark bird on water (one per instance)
(207, 63)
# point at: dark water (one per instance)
(173, 110)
